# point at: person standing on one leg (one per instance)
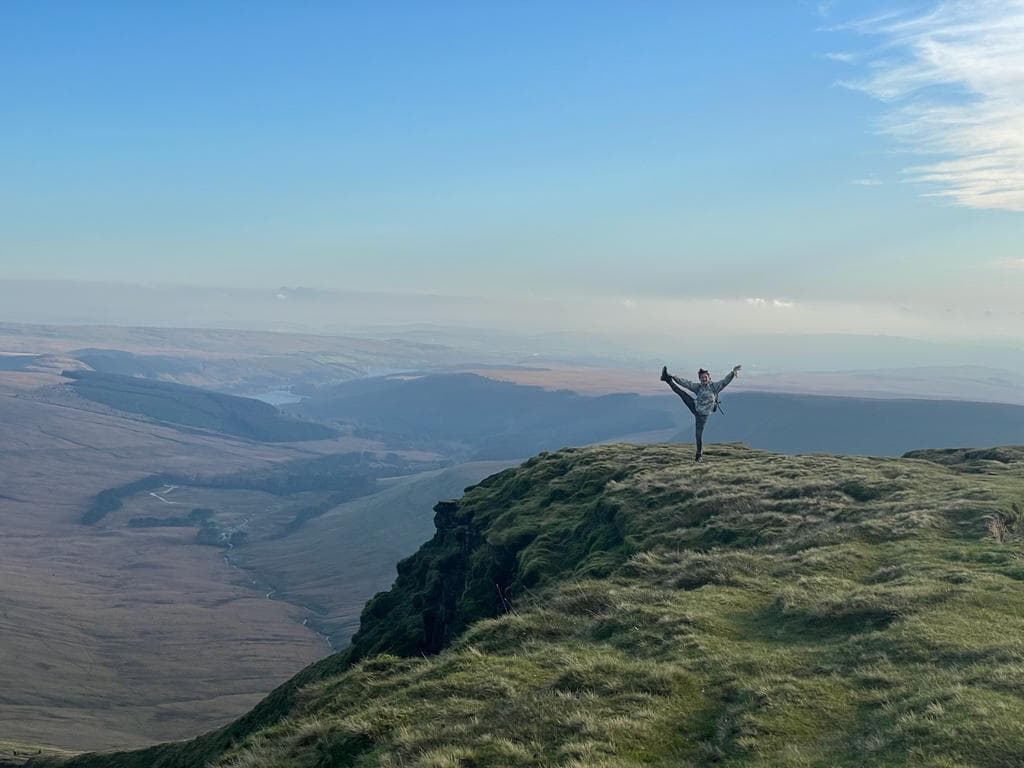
(704, 400)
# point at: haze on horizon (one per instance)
(797, 167)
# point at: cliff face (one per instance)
(621, 606)
(498, 543)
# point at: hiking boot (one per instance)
(664, 373)
(699, 458)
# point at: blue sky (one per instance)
(772, 156)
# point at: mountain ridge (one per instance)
(191, 407)
(618, 605)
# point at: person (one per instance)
(704, 400)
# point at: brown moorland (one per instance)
(108, 636)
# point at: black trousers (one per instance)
(701, 418)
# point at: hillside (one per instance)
(355, 544)
(471, 416)
(620, 606)
(193, 407)
(475, 418)
(321, 534)
(854, 425)
(124, 636)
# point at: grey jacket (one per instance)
(705, 396)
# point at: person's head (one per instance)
(704, 375)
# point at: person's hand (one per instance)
(736, 370)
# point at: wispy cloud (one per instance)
(776, 303)
(1010, 264)
(954, 78)
(866, 182)
(843, 57)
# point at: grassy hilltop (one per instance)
(620, 606)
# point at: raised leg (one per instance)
(685, 396)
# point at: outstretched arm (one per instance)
(720, 385)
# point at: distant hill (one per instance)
(963, 383)
(193, 407)
(121, 363)
(17, 362)
(619, 606)
(848, 425)
(482, 418)
(237, 372)
(485, 418)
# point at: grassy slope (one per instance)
(757, 610)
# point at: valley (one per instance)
(109, 636)
(162, 574)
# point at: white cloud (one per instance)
(955, 79)
(866, 182)
(1010, 264)
(776, 303)
(843, 57)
